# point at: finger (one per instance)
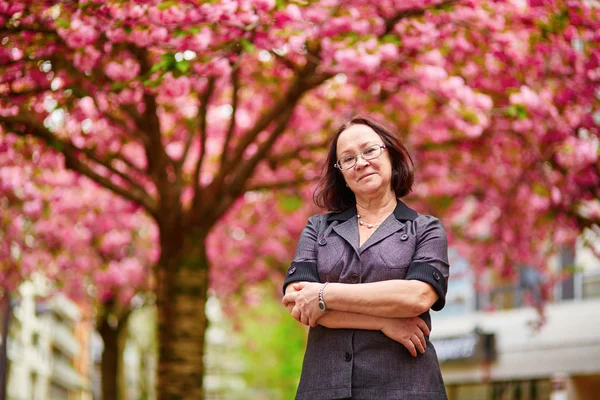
(417, 342)
(410, 346)
(296, 313)
(423, 326)
(421, 337)
(304, 319)
(289, 298)
(299, 285)
(290, 307)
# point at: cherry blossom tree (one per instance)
(88, 243)
(188, 110)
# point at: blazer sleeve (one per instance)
(304, 265)
(430, 261)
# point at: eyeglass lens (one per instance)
(369, 153)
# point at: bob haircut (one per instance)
(332, 193)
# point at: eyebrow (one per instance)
(361, 146)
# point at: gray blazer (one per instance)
(361, 364)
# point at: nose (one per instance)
(361, 162)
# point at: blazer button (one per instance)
(347, 357)
(436, 275)
(322, 242)
(354, 278)
(404, 236)
(292, 270)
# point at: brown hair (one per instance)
(332, 193)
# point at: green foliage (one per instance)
(194, 30)
(273, 346)
(540, 189)
(55, 144)
(469, 116)
(290, 203)
(168, 62)
(392, 38)
(517, 111)
(247, 45)
(280, 4)
(63, 23)
(555, 24)
(166, 4)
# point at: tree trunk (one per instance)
(111, 366)
(182, 285)
(6, 314)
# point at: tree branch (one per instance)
(204, 101)
(288, 63)
(235, 84)
(280, 185)
(246, 168)
(135, 194)
(292, 154)
(157, 158)
(236, 171)
(413, 12)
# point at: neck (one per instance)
(376, 208)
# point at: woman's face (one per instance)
(366, 177)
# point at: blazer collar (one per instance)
(402, 212)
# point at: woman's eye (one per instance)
(370, 151)
(347, 160)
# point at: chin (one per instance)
(370, 189)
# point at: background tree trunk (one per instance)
(182, 286)
(111, 366)
(6, 314)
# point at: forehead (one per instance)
(353, 138)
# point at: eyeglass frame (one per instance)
(338, 165)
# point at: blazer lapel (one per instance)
(348, 226)
(349, 231)
(390, 226)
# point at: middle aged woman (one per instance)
(366, 274)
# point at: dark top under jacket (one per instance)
(363, 364)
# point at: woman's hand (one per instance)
(290, 289)
(305, 299)
(410, 332)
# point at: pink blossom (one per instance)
(388, 52)
(170, 16)
(159, 35)
(175, 87)
(577, 154)
(526, 97)
(86, 58)
(122, 72)
(79, 35)
(33, 209)
(264, 5)
(522, 125)
(133, 272)
(114, 241)
(201, 40)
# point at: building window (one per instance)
(528, 288)
(58, 392)
(460, 298)
(34, 388)
(591, 285)
(536, 389)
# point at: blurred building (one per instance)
(223, 368)
(490, 346)
(48, 349)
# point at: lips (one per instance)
(364, 176)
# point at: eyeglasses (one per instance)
(369, 153)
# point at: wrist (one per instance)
(321, 300)
(383, 323)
